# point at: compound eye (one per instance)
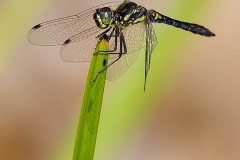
(103, 17)
(105, 9)
(95, 15)
(97, 10)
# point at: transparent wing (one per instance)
(151, 43)
(57, 31)
(135, 37)
(80, 47)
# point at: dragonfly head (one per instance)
(103, 17)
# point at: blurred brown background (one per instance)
(190, 111)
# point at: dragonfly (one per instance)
(127, 26)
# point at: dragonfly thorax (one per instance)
(103, 17)
(130, 13)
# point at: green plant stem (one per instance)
(91, 106)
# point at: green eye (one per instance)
(106, 20)
(103, 17)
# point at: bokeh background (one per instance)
(190, 109)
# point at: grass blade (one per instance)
(91, 106)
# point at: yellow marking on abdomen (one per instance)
(158, 16)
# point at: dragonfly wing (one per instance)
(57, 31)
(135, 36)
(151, 43)
(80, 47)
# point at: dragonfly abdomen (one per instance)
(156, 17)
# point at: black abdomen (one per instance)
(194, 28)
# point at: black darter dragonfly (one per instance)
(127, 25)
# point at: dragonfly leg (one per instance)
(100, 36)
(115, 34)
(123, 50)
